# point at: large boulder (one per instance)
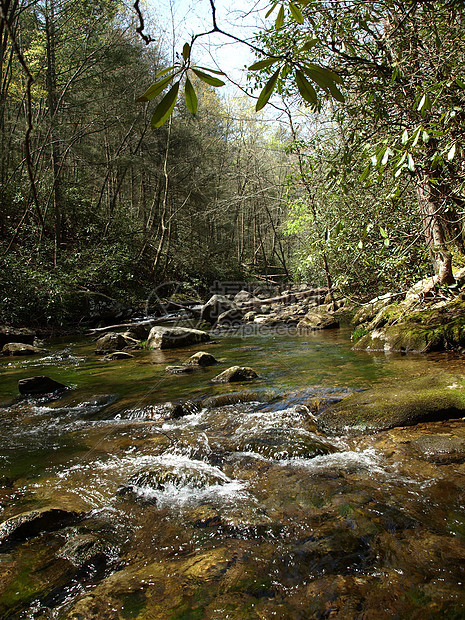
(230, 318)
(368, 311)
(39, 384)
(318, 320)
(175, 337)
(236, 373)
(15, 334)
(19, 348)
(244, 296)
(214, 307)
(387, 405)
(111, 342)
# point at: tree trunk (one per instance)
(431, 209)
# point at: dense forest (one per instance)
(362, 186)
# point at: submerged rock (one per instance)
(174, 337)
(166, 478)
(179, 370)
(280, 444)
(39, 384)
(236, 373)
(222, 400)
(29, 524)
(88, 549)
(18, 348)
(440, 448)
(202, 359)
(387, 405)
(118, 355)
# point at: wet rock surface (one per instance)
(29, 524)
(39, 384)
(202, 359)
(113, 342)
(236, 374)
(175, 337)
(425, 399)
(18, 348)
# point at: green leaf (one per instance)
(305, 88)
(387, 154)
(324, 72)
(460, 83)
(190, 97)
(280, 19)
(365, 173)
(155, 89)
(262, 64)
(308, 45)
(165, 107)
(186, 51)
(383, 232)
(416, 136)
(325, 78)
(267, 90)
(410, 163)
(336, 93)
(296, 14)
(387, 242)
(164, 71)
(451, 153)
(271, 9)
(424, 105)
(425, 137)
(216, 72)
(339, 228)
(208, 79)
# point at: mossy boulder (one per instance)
(387, 405)
(421, 331)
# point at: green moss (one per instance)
(186, 612)
(359, 333)
(387, 405)
(134, 604)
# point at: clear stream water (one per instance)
(240, 509)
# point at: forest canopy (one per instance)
(123, 166)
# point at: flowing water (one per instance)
(240, 509)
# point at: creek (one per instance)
(240, 509)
